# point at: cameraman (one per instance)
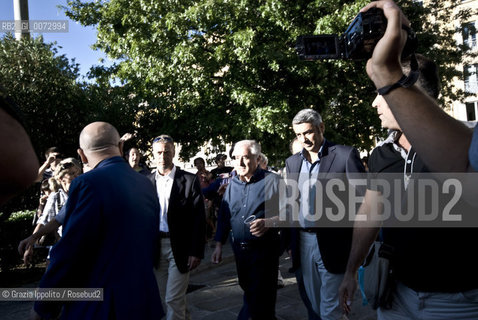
(441, 140)
(447, 287)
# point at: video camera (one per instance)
(357, 43)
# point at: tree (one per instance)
(222, 70)
(45, 87)
(116, 104)
(55, 104)
(437, 29)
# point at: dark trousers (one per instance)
(257, 266)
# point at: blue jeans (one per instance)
(408, 304)
(321, 286)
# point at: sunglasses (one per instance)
(163, 138)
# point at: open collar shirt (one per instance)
(243, 199)
(308, 176)
(164, 185)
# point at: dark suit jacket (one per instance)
(334, 243)
(186, 218)
(110, 239)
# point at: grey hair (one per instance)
(307, 116)
(251, 144)
(264, 158)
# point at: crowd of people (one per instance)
(137, 233)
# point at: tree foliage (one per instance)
(44, 86)
(55, 104)
(54, 101)
(437, 25)
(223, 70)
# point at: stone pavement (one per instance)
(219, 296)
(215, 294)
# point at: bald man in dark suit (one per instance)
(94, 252)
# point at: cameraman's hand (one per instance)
(347, 290)
(384, 66)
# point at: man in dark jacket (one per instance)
(321, 253)
(182, 227)
(94, 251)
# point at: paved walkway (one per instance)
(221, 296)
(215, 294)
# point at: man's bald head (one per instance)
(99, 137)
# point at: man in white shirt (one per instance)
(182, 227)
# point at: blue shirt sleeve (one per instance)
(223, 219)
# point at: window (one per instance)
(471, 111)
(469, 35)
(471, 80)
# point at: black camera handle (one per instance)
(405, 81)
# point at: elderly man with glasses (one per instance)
(182, 227)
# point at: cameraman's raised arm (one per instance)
(441, 140)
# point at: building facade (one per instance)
(468, 111)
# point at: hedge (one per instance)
(12, 230)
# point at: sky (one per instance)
(76, 43)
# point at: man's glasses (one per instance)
(163, 138)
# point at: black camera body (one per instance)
(357, 43)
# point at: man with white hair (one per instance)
(246, 203)
(94, 251)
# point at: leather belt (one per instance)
(163, 234)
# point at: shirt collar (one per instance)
(258, 175)
(392, 138)
(303, 151)
(170, 175)
(105, 162)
